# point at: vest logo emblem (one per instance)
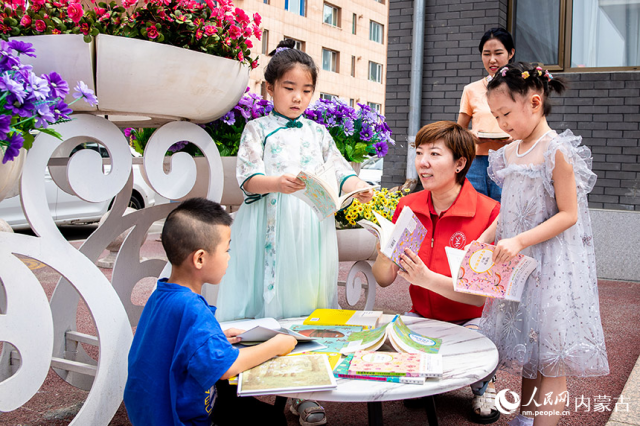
(458, 240)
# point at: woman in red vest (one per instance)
(454, 215)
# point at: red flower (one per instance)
(84, 28)
(198, 34)
(234, 32)
(249, 44)
(257, 18)
(209, 30)
(257, 33)
(128, 3)
(99, 11)
(25, 21)
(75, 12)
(152, 32)
(254, 64)
(240, 56)
(56, 31)
(40, 25)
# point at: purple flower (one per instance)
(39, 87)
(44, 115)
(13, 149)
(229, 118)
(8, 84)
(59, 88)
(23, 48)
(127, 132)
(61, 111)
(381, 149)
(7, 59)
(348, 127)
(23, 109)
(82, 91)
(178, 146)
(366, 133)
(5, 126)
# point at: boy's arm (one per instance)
(255, 355)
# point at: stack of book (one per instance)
(411, 368)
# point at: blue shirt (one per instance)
(178, 354)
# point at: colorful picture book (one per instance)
(332, 337)
(322, 193)
(399, 336)
(343, 317)
(288, 374)
(407, 233)
(474, 272)
(342, 371)
(493, 135)
(396, 364)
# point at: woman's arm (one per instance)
(464, 120)
(418, 274)
(384, 270)
(564, 183)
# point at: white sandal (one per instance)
(484, 406)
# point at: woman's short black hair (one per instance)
(499, 34)
(522, 77)
(284, 58)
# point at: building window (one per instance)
(265, 1)
(328, 96)
(569, 35)
(354, 24)
(352, 103)
(375, 72)
(331, 15)
(374, 106)
(329, 60)
(265, 42)
(296, 6)
(375, 32)
(298, 44)
(353, 66)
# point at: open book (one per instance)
(322, 192)
(401, 338)
(288, 374)
(473, 271)
(493, 135)
(407, 233)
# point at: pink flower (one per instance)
(257, 18)
(257, 33)
(240, 56)
(249, 44)
(254, 64)
(152, 32)
(199, 34)
(25, 21)
(75, 12)
(99, 11)
(38, 2)
(234, 32)
(128, 3)
(209, 30)
(56, 31)
(40, 25)
(84, 28)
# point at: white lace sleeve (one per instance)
(497, 163)
(250, 155)
(579, 156)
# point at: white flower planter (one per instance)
(69, 56)
(356, 244)
(10, 173)
(140, 83)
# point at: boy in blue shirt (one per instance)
(179, 351)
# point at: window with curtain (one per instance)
(375, 31)
(330, 15)
(265, 42)
(375, 72)
(374, 106)
(575, 34)
(296, 6)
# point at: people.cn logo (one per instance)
(503, 405)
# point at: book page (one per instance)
(386, 226)
(248, 324)
(411, 341)
(408, 233)
(374, 228)
(318, 194)
(454, 257)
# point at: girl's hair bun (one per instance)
(285, 57)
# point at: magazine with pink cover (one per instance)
(396, 364)
(473, 271)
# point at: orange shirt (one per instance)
(474, 104)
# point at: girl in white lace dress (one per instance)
(555, 331)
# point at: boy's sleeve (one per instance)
(250, 155)
(212, 360)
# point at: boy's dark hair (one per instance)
(522, 77)
(284, 58)
(500, 34)
(191, 227)
(456, 138)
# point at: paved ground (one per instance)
(57, 402)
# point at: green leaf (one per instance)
(87, 39)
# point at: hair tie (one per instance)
(280, 49)
(525, 75)
(503, 71)
(548, 74)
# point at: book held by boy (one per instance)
(396, 364)
(474, 272)
(343, 317)
(322, 193)
(288, 374)
(407, 233)
(401, 338)
(333, 337)
(342, 371)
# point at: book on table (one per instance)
(288, 374)
(322, 193)
(343, 317)
(333, 337)
(342, 371)
(474, 272)
(399, 336)
(396, 364)
(493, 135)
(407, 233)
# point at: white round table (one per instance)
(467, 357)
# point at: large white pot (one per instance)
(69, 56)
(356, 244)
(10, 173)
(152, 80)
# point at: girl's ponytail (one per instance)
(522, 77)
